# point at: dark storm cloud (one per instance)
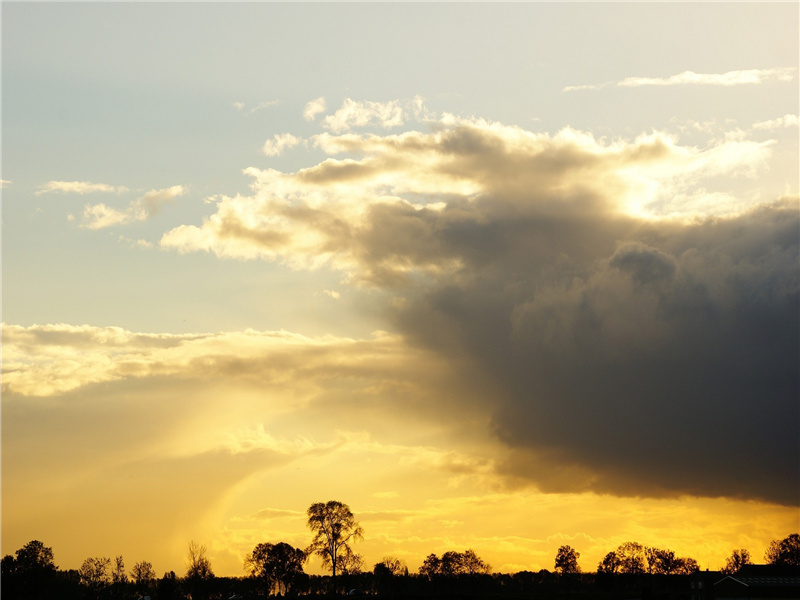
(666, 364)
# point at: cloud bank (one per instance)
(640, 332)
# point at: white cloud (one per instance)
(99, 216)
(314, 108)
(362, 114)
(79, 187)
(4, 183)
(779, 123)
(240, 106)
(729, 78)
(279, 143)
(333, 294)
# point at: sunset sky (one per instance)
(497, 276)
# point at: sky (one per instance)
(497, 276)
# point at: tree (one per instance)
(350, 563)
(631, 558)
(567, 560)
(431, 566)
(785, 551)
(198, 571)
(687, 566)
(662, 562)
(34, 556)
(609, 564)
(472, 564)
(143, 576)
(736, 561)
(393, 566)
(453, 564)
(118, 571)
(95, 573)
(31, 574)
(276, 565)
(335, 528)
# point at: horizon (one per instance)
(500, 277)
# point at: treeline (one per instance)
(277, 568)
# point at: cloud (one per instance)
(379, 216)
(100, 216)
(240, 106)
(79, 187)
(779, 123)
(279, 143)
(727, 79)
(382, 114)
(730, 78)
(634, 329)
(314, 108)
(4, 183)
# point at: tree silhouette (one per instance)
(335, 528)
(736, 561)
(30, 574)
(631, 558)
(785, 551)
(95, 573)
(276, 565)
(394, 566)
(34, 556)
(143, 576)
(610, 564)
(432, 565)
(567, 560)
(198, 572)
(454, 563)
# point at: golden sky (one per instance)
(530, 280)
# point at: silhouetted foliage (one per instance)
(144, 577)
(784, 552)
(198, 572)
(95, 574)
(390, 575)
(454, 563)
(31, 573)
(665, 562)
(277, 566)
(169, 587)
(631, 558)
(610, 564)
(736, 561)
(567, 560)
(335, 528)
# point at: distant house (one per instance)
(702, 584)
(757, 582)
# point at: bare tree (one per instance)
(198, 571)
